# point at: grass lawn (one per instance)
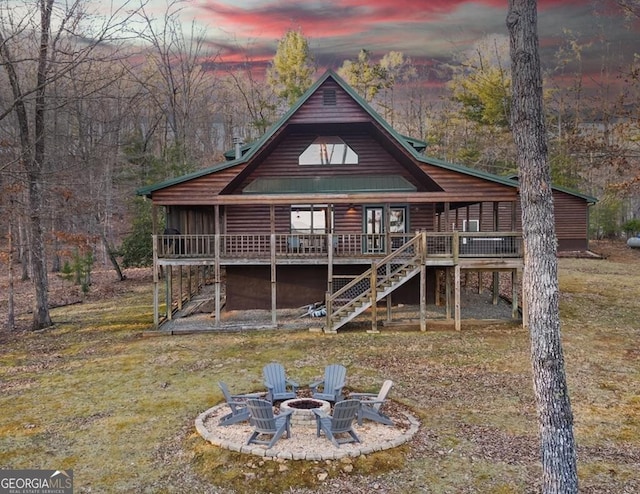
(96, 396)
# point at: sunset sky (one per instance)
(428, 31)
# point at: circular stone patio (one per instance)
(303, 443)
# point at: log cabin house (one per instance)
(333, 205)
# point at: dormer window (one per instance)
(328, 150)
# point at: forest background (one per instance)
(94, 107)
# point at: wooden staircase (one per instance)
(373, 285)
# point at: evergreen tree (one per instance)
(292, 67)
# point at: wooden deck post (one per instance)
(423, 296)
(180, 287)
(190, 280)
(423, 281)
(374, 298)
(273, 279)
(457, 296)
(156, 318)
(496, 287)
(328, 325)
(216, 274)
(216, 264)
(330, 262)
(455, 246)
(447, 292)
(169, 292)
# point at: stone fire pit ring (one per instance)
(303, 443)
(302, 409)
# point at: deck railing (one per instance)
(343, 245)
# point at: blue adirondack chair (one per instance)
(278, 386)
(264, 422)
(370, 404)
(238, 405)
(330, 388)
(340, 423)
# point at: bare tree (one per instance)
(251, 105)
(540, 280)
(34, 58)
(176, 79)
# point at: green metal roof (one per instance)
(566, 190)
(414, 146)
(329, 185)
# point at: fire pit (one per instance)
(303, 410)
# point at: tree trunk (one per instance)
(35, 167)
(112, 257)
(540, 279)
(11, 314)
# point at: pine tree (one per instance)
(292, 67)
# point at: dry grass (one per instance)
(92, 394)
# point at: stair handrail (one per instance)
(330, 297)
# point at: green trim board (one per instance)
(329, 185)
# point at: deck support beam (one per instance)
(156, 267)
(216, 264)
(456, 270)
(169, 294)
(217, 281)
(274, 302)
(447, 292)
(180, 295)
(374, 299)
(423, 297)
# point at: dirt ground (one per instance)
(104, 283)
(472, 391)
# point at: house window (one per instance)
(471, 226)
(328, 150)
(397, 220)
(308, 219)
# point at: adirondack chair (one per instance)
(264, 422)
(278, 386)
(237, 404)
(341, 422)
(330, 388)
(370, 404)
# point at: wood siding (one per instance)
(314, 111)
(373, 160)
(460, 183)
(257, 219)
(249, 287)
(200, 190)
(571, 219)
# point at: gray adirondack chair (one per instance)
(278, 386)
(238, 405)
(370, 404)
(340, 423)
(330, 388)
(264, 422)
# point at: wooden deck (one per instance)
(453, 252)
(443, 248)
